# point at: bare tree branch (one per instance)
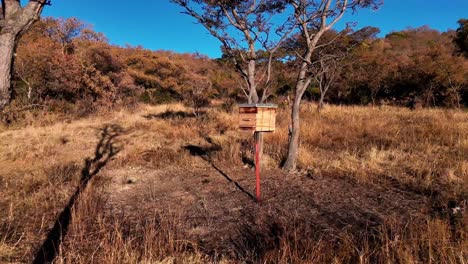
(251, 19)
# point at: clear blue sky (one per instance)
(158, 24)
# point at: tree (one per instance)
(364, 34)
(369, 73)
(312, 17)
(64, 31)
(33, 54)
(86, 71)
(326, 70)
(328, 60)
(242, 27)
(51, 71)
(461, 39)
(198, 90)
(14, 20)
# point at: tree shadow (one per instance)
(204, 154)
(295, 218)
(246, 147)
(105, 150)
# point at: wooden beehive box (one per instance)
(257, 117)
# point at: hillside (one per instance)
(155, 183)
(64, 66)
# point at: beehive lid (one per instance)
(259, 105)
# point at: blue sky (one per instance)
(158, 24)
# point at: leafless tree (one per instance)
(14, 20)
(325, 69)
(245, 28)
(21, 69)
(199, 91)
(314, 18)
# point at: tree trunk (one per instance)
(15, 20)
(254, 99)
(7, 48)
(320, 104)
(293, 146)
(253, 96)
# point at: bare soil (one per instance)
(216, 209)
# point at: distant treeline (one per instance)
(64, 64)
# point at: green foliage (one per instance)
(313, 92)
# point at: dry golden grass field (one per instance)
(156, 185)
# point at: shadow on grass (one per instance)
(173, 115)
(204, 154)
(105, 150)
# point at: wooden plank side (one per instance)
(249, 110)
(248, 117)
(247, 120)
(247, 124)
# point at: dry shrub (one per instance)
(62, 173)
(31, 201)
(155, 158)
(96, 236)
(229, 105)
(421, 152)
(16, 116)
(424, 149)
(425, 242)
(226, 149)
(266, 239)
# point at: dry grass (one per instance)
(422, 152)
(425, 148)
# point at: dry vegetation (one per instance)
(376, 185)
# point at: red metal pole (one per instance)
(257, 165)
